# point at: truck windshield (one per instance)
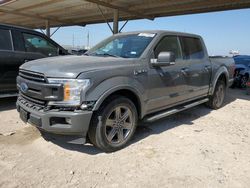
(127, 46)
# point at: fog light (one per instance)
(84, 106)
(68, 120)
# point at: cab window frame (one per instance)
(190, 56)
(178, 43)
(10, 40)
(43, 38)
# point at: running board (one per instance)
(175, 110)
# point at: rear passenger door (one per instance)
(199, 70)
(8, 63)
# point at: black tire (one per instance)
(243, 81)
(217, 99)
(108, 132)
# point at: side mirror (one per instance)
(164, 59)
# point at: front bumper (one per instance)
(53, 121)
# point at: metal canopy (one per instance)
(54, 13)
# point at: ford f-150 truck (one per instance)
(129, 77)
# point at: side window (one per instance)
(192, 48)
(17, 39)
(5, 40)
(168, 44)
(35, 43)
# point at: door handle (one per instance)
(207, 67)
(185, 68)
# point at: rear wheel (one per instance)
(217, 99)
(113, 124)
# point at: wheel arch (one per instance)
(125, 91)
(221, 74)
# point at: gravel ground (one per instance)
(195, 148)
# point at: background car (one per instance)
(248, 87)
(242, 70)
(78, 51)
(17, 46)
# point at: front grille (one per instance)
(35, 91)
(34, 76)
(29, 102)
(33, 100)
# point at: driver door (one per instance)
(167, 84)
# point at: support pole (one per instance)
(47, 28)
(116, 21)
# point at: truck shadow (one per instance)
(7, 103)
(145, 130)
(236, 93)
(186, 117)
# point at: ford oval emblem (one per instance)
(24, 87)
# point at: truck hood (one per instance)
(71, 66)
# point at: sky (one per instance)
(221, 31)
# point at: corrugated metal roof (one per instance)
(34, 13)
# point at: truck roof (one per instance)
(161, 32)
(15, 27)
(124, 33)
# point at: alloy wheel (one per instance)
(118, 125)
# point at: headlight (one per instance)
(72, 90)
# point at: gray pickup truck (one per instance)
(129, 77)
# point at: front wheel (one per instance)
(113, 124)
(217, 99)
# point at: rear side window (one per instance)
(5, 40)
(192, 48)
(35, 43)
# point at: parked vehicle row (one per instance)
(78, 51)
(242, 71)
(248, 87)
(128, 77)
(17, 46)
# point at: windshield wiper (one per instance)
(104, 54)
(111, 55)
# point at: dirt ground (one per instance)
(195, 148)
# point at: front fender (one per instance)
(104, 89)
